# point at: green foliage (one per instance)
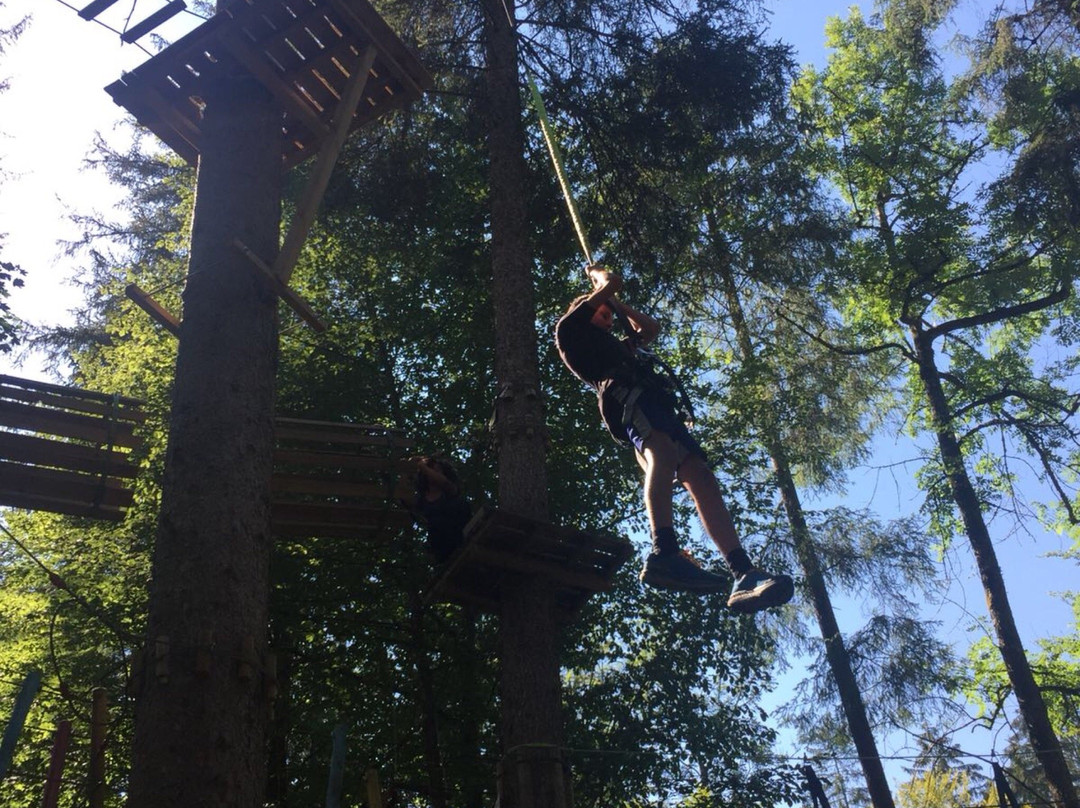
(936, 788)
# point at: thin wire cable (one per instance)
(60, 583)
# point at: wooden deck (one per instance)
(500, 546)
(303, 51)
(336, 480)
(66, 450)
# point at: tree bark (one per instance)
(531, 703)
(1029, 698)
(836, 652)
(201, 714)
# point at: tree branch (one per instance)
(1004, 313)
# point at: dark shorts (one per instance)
(653, 412)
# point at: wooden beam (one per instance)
(281, 288)
(320, 177)
(153, 308)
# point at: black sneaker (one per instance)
(679, 571)
(757, 590)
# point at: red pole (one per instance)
(56, 764)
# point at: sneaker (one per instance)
(679, 571)
(757, 590)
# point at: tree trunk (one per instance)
(1029, 698)
(835, 651)
(201, 715)
(531, 702)
(429, 708)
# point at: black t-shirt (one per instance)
(446, 518)
(592, 354)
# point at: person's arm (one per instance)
(428, 468)
(606, 285)
(647, 327)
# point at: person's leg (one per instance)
(666, 566)
(754, 590)
(659, 458)
(697, 478)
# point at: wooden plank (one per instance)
(365, 23)
(141, 29)
(259, 67)
(281, 288)
(60, 454)
(66, 424)
(327, 487)
(120, 412)
(320, 176)
(175, 116)
(67, 392)
(314, 530)
(95, 7)
(298, 458)
(570, 547)
(125, 93)
(338, 514)
(297, 429)
(531, 565)
(34, 502)
(68, 485)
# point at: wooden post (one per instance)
(99, 726)
(61, 740)
(160, 315)
(30, 686)
(337, 769)
(374, 790)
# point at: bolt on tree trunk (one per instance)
(201, 716)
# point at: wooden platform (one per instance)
(499, 546)
(303, 51)
(66, 450)
(337, 480)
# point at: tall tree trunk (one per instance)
(1028, 695)
(429, 709)
(835, 651)
(201, 715)
(531, 703)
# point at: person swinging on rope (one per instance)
(639, 406)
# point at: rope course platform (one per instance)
(499, 546)
(66, 450)
(303, 51)
(334, 480)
